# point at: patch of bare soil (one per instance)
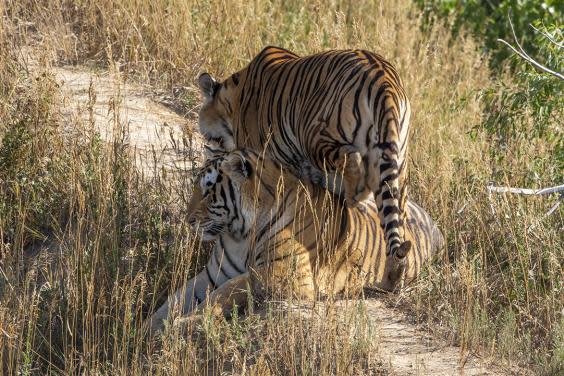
(162, 139)
(409, 349)
(116, 107)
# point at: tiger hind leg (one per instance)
(351, 166)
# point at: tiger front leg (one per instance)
(277, 281)
(351, 166)
(222, 300)
(220, 303)
(183, 301)
(156, 323)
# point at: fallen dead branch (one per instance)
(526, 191)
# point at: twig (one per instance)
(537, 192)
(553, 208)
(549, 212)
(548, 36)
(521, 52)
(526, 191)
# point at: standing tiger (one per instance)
(279, 234)
(337, 118)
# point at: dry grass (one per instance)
(114, 243)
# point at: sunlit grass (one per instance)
(89, 246)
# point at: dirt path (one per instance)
(157, 134)
(409, 349)
(159, 137)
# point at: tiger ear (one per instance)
(240, 166)
(208, 86)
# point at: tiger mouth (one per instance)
(208, 231)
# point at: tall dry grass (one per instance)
(90, 247)
(114, 243)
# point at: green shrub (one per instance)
(530, 111)
(487, 20)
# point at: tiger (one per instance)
(340, 112)
(274, 232)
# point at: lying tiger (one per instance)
(279, 235)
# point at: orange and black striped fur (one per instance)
(278, 234)
(336, 116)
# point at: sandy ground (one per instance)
(165, 140)
(409, 349)
(159, 137)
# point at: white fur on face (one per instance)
(208, 179)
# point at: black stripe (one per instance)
(391, 145)
(389, 178)
(386, 165)
(210, 278)
(391, 210)
(226, 127)
(220, 264)
(214, 211)
(229, 259)
(224, 197)
(356, 107)
(387, 195)
(392, 224)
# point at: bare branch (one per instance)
(549, 212)
(526, 191)
(521, 52)
(547, 36)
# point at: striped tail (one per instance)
(392, 189)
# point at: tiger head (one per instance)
(226, 195)
(218, 109)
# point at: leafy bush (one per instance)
(530, 110)
(30, 166)
(487, 20)
(509, 268)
